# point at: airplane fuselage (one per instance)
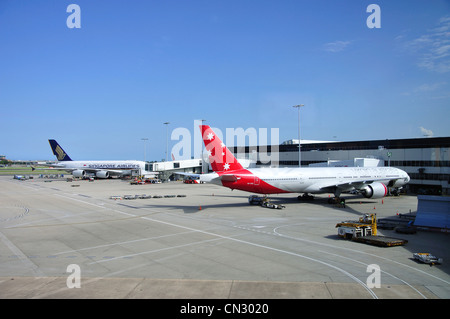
(113, 165)
(372, 182)
(102, 169)
(308, 179)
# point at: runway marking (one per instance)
(250, 243)
(154, 251)
(360, 262)
(24, 225)
(260, 246)
(121, 243)
(232, 239)
(23, 258)
(26, 211)
(356, 251)
(224, 237)
(79, 200)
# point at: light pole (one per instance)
(145, 150)
(167, 137)
(201, 141)
(299, 144)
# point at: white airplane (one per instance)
(371, 182)
(99, 169)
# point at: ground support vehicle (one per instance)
(427, 258)
(381, 241)
(364, 231)
(264, 202)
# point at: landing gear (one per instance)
(255, 200)
(338, 201)
(305, 197)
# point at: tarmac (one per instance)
(68, 240)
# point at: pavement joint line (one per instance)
(286, 240)
(245, 242)
(278, 250)
(122, 243)
(225, 237)
(154, 251)
(383, 271)
(23, 258)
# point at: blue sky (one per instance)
(134, 65)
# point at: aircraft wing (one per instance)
(54, 168)
(188, 174)
(346, 187)
(110, 172)
(225, 177)
(228, 178)
(211, 177)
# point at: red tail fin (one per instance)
(220, 157)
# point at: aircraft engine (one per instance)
(78, 173)
(102, 174)
(374, 190)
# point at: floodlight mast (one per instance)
(167, 138)
(299, 144)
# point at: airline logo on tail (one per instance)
(220, 157)
(58, 151)
(231, 173)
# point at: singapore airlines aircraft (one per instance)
(371, 182)
(99, 169)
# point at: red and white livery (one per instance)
(371, 182)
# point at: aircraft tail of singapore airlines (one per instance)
(61, 156)
(371, 182)
(99, 169)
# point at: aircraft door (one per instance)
(256, 184)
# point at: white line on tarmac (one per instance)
(357, 251)
(79, 200)
(256, 245)
(121, 243)
(359, 262)
(155, 251)
(23, 258)
(225, 237)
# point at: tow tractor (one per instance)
(264, 202)
(427, 258)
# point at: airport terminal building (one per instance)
(426, 160)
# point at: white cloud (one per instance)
(430, 87)
(426, 132)
(437, 90)
(336, 46)
(434, 47)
